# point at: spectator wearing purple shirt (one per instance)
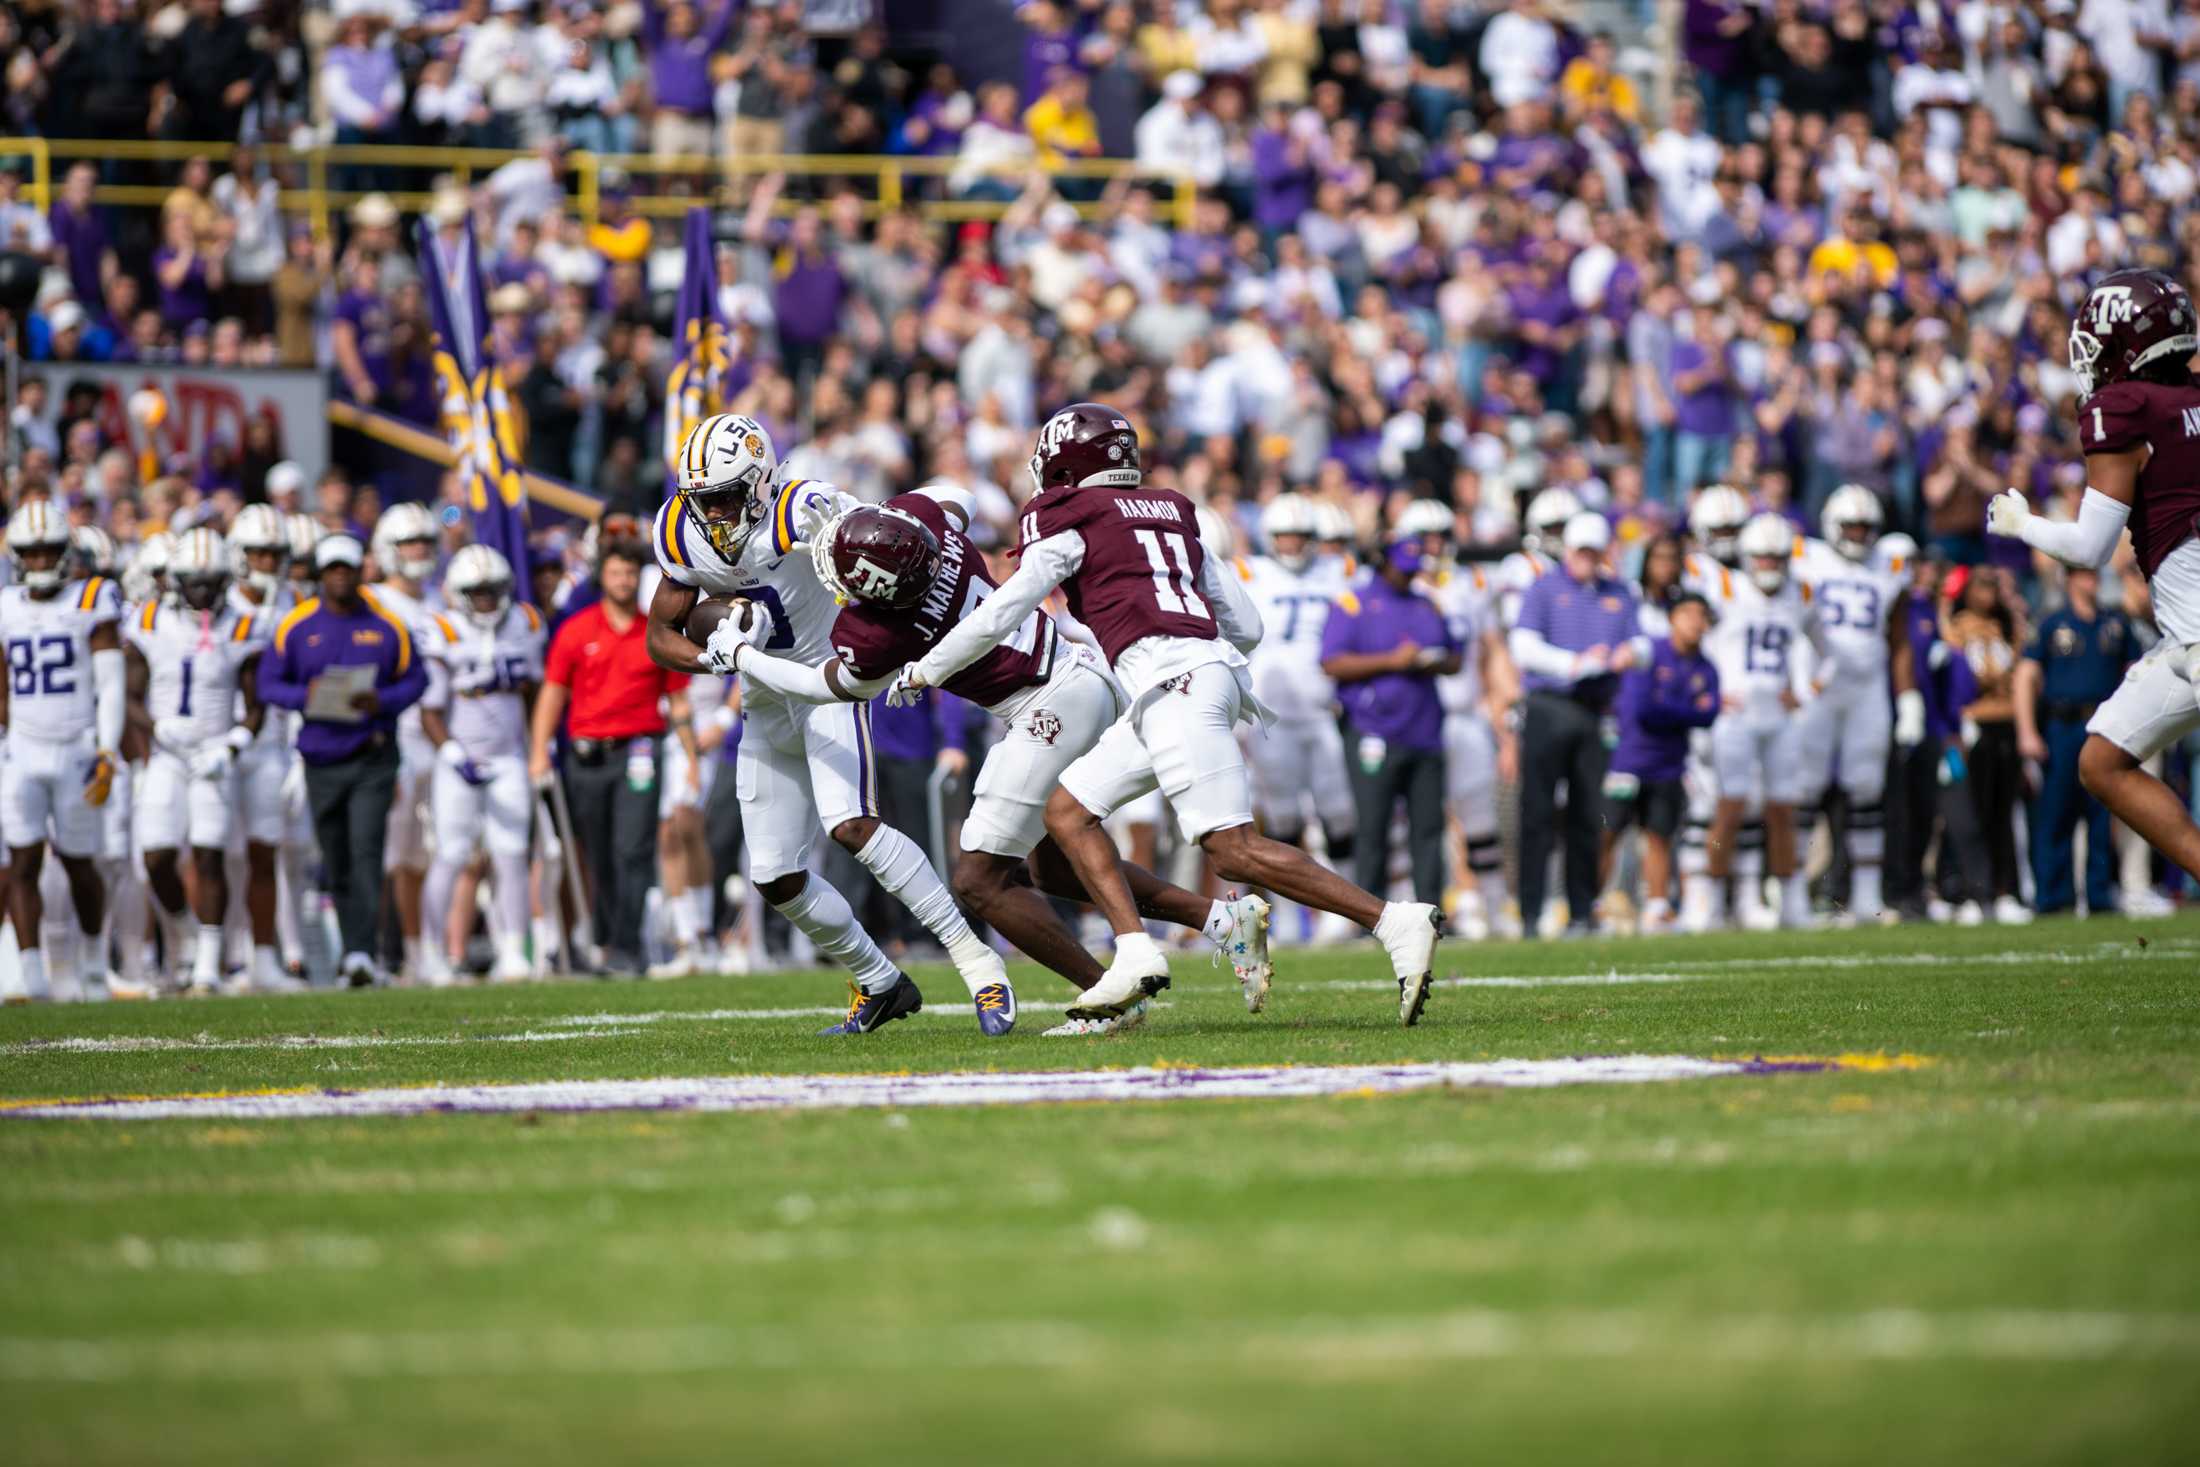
(680, 42)
(81, 235)
(1702, 393)
(188, 274)
(1283, 175)
(359, 336)
(1385, 645)
(1547, 324)
(807, 297)
(1054, 41)
(1715, 39)
(1575, 635)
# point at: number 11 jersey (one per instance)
(1141, 564)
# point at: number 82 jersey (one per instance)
(49, 648)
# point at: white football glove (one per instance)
(2007, 512)
(811, 511)
(212, 762)
(722, 652)
(1909, 719)
(908, 688)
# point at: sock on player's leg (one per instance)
(510, 897)
(435, 917)
(824, 916)
(206, 958)
(893, 858)
(1868, 850)
(1795, 900)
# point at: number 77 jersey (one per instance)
(1294, 607)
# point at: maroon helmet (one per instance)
(881, 556)
(1083, 446)
(2130, 321)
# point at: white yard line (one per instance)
(1316, 1345)
(843, 1092)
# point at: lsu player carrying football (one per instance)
(484, 659)
(1766, 675)
(201, 656)
(1298, 760)
(1859, 590)
(2131, 347)
(61, 720)
(905, 572)
(733, 530)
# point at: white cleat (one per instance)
(1408, 932)
(122, 990)
(512, 965)
(1247, 948)
(2011, 912)
(1761, 919)
(1140, 970)
(1470, 917)
(2146, 903)
(680, 965)
(1121, 1023)
(1970, 914)
(276, 981)
(198, 987)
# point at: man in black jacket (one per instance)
(214, 70)
(102, 81)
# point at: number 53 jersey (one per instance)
(49, 647)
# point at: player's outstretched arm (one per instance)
(1047, 563)
(830, 682)
(2112, 482)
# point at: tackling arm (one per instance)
(829, 683)
(1047, 563)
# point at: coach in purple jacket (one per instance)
(1660, 704)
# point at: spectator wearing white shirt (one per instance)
(2128, 38)
(2086, 235)
(1178, 132)
(995, 140)
(1933, 86)
(1683, 160)
(1520, 54)
(1227, 40)
(252, 205)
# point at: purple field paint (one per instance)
(848, 1092)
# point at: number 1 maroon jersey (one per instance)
(878, 641)
(2166, 418)
(1142, 561)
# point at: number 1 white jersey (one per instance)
(1853, 600)
(1294, 608)
(49, 647)
(195, 659)
(774, 570)
(477, 674)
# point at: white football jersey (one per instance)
(49, 647)
(774, 569)
(476, 674)
(1854, 600)
(277, 725)
(1515, 574)
(1294, 608)
(1467, 597)
(1763, 645)
(414, 612)
(195, 658)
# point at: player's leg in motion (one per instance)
(843, 776)
(780, 818)
(2150, 710)
(1181, 738)
(41, 788)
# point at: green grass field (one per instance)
(1992, 1257)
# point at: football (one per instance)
(709, 613)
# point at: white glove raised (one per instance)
(907, 689)
(2007, 513)
(1909, 719)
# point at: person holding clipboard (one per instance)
(350, 668)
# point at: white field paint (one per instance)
(1318, 1345)
(847, 1092)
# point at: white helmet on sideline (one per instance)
(1716, 520)
(259, 529)
(36, 528)
(92, 551)
(1767, 543)
(479, 570)
(1849, 508)
(402, 524)
(1290, 514)
(198, 569)
(1546, 521)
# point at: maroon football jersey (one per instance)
(1140, 578)
(2166, 418)
(878, 641)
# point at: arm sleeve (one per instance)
(2087, 541)
(1047, 563)
(789, 679)
(108, 696)
(1535, 654)
(1234, 611)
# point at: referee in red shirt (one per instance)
(600, 682)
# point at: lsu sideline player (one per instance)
(405, 553)
(201, 656)
(1859, 587)
(61, 719)
(2131, 346)
(733, 530)
(484, 658)
(1298, 760)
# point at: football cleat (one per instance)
(1411, 943)
(1247, 946)
(1121, 1023)
(1140, 970)
(869, 1011)
(122, 990)
(996, 1005)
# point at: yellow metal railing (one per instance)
(682, 180)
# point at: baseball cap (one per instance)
(67, 316)
(285, 478)
(1588, 531)
(339, 550)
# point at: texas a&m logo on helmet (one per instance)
(2132, 320)
(1086, 445)
(882, 556)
